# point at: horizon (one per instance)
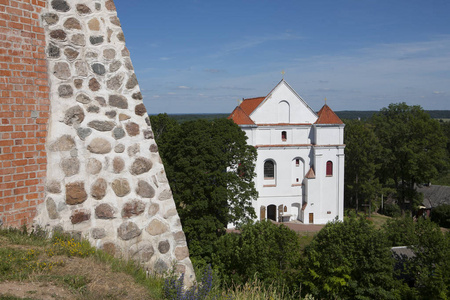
(197, 56)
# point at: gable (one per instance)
(283, 106)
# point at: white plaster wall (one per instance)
(272, 135)
(329, 134)
(286, 190)
(267, 112)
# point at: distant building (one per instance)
(300, 164)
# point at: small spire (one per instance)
(325, 100)
(282, 74)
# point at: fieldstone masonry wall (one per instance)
(105, 180)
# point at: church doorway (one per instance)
(311, 218)
(272, 212)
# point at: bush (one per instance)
(441, 215)
(392, 210)
(263, 249)
(348, 260)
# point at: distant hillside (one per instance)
(345, 114)
(189, 117)
(365, 114)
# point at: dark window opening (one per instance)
(283, 136)
(297, 162)
(329, 168)
(269, 170)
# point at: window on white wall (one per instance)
(329, 168)
(297, 171)
(284, 112)
(269, 170)
(284, 136)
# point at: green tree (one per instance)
(210, 169)
(349, 260)
(441, 215)
(400, 232)
(362, 152)
(413, 149)
(429, 268)
(432, 260)
(268, 251)
(162, 124)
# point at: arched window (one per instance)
(283, 112)
(269, 169)
(329, 168)
(283, 136)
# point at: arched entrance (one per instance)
(272, 212)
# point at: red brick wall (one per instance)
(24, 114)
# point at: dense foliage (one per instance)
(210, 169)
(392, 152)
(362, 151)
(349, 260)
(429, 269)
(441, 215)
(268, 251)
(413, 149)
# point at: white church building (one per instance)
(300, 163)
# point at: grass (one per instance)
(71, 266)
(63, 267)
(378, 220)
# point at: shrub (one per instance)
(263, 249)
(348, 260)
(392, 210)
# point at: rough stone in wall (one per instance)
(105, 179)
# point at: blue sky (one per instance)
(202, 56)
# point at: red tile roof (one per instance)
(240, 117)
(250, 104)
(327, 116)
(241, 114)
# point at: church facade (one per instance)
(300, 163)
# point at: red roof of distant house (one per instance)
(327, 116)
(240, 117)
(241, 114)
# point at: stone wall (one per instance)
(24, 111)
(105, 180)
